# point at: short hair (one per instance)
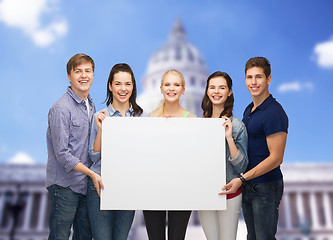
(261, 62)
(77, 60)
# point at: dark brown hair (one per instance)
(77, 60)
(259, 62)
(123, 67)
(207, 105)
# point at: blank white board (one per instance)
(163, 164)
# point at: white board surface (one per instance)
(163, 164)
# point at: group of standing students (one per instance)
(254, 152)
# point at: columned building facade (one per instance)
(307, 207)
(306, 210)
(23, 202)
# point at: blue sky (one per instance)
(39, 37)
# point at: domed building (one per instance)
(177, 54)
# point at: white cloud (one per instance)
(295, 87)
(21, 158)
(324, 54)
(27, 15)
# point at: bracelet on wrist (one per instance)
(242, 178)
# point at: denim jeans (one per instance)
(107, 224)
(261, 209)
(68, 208)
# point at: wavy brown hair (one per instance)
(123, 67)
(207, 105)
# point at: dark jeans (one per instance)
(261, 209)
(107, 224)
(68, 208)
(156, 221)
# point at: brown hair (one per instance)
(78, 59)
(123, 67)
(207, 105)
(259, 62)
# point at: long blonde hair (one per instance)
(158, 112)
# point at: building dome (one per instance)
(177, 54)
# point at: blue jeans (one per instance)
(261, 209)
(107, 224)
(68, 208)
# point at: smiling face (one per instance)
(257, 83)
(81, 78)
(172, 87)
(121, 88)
(218, 91)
